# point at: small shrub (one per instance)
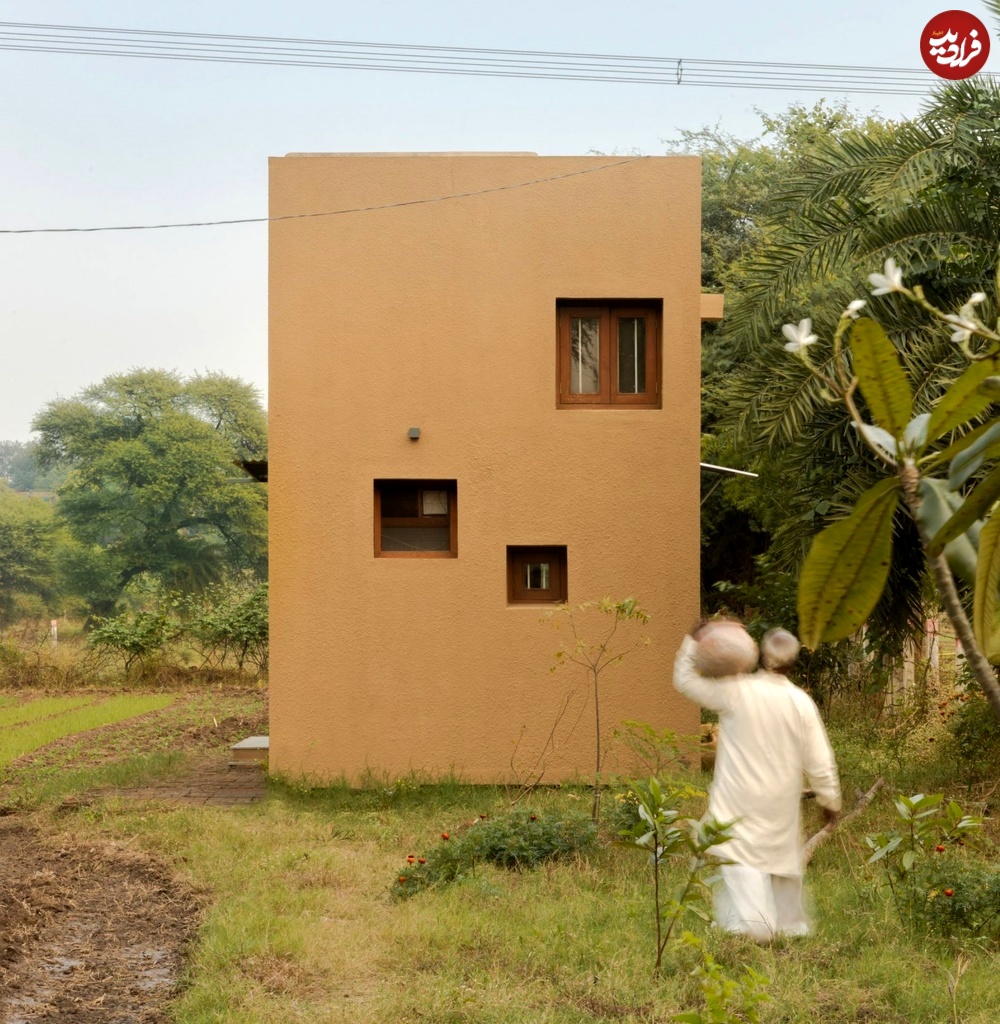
(952, 897)
(976, 735)
(518, 840)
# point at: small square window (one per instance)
(416, 518)
(536, 575)
(608, 354)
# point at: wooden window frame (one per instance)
(450, 487)
(518, 555)
(609, 312)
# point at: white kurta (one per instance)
(770, 736)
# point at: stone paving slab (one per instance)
(209, 783)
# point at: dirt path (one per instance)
(88, 933)
(94, 931)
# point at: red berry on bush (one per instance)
(444, 835)
(422, 860)
(939, 848)
(949, 892)
(534, 817)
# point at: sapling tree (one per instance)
(932, 461)
(597, 654)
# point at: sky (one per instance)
(92, 140)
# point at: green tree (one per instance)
(743, 182)
(26, 531)
(154, 489)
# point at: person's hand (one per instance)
(830, 817)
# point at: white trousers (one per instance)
(757, 904)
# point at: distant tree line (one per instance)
(149, 496)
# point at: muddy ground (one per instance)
(96, 932)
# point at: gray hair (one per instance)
(779, 649)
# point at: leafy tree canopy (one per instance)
(26, 530)
(153, 488)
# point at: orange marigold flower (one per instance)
(939, 848)
(422, 860)
(402, 878)
(444, 835)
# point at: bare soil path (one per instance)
(95, 931)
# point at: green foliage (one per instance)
(846, 569)
(658, 750)
(519, 840)
(920, 192)
(226, 624)
(665, 834)
(223, 625)
(929, 827)
(133, 638)
(153, 489)
(597, 651)
(26, 532)
(976, 734)
(726, 1001)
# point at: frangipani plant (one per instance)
(931, 460)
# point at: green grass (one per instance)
(299, 923)
(41, 708)
(30, 736)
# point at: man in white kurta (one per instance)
(771, 736)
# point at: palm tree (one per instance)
(926, 193)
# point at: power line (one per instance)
(455, 60)
(327, 213)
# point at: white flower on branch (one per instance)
(965, 323)
(852, 309)
(891, 280)
(799, 337)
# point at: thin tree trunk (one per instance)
(982, 670)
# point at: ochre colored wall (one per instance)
(442, 316)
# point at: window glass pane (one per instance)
(536, 576)
(415, 538)
(585, 355)
(400, 502)
(435, 503)
(632, 355)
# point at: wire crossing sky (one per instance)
(145, 127)
(456, 60)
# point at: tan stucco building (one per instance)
(535, 321)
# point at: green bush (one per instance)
(976, 734)
(953, 897)
(520, 839)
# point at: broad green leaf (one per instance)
(964, 400)
(881, 376)
(976, 504)
(915, 435)
(966, 440)
(985, 622)
(846, 568)
(908, 858)
(937, 506)
(966, 462)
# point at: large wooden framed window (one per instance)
(536, 575)
(608, 354)
(416, 519)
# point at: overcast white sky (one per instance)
(90, 140)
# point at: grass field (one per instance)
(58, 717)
(299, 923)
